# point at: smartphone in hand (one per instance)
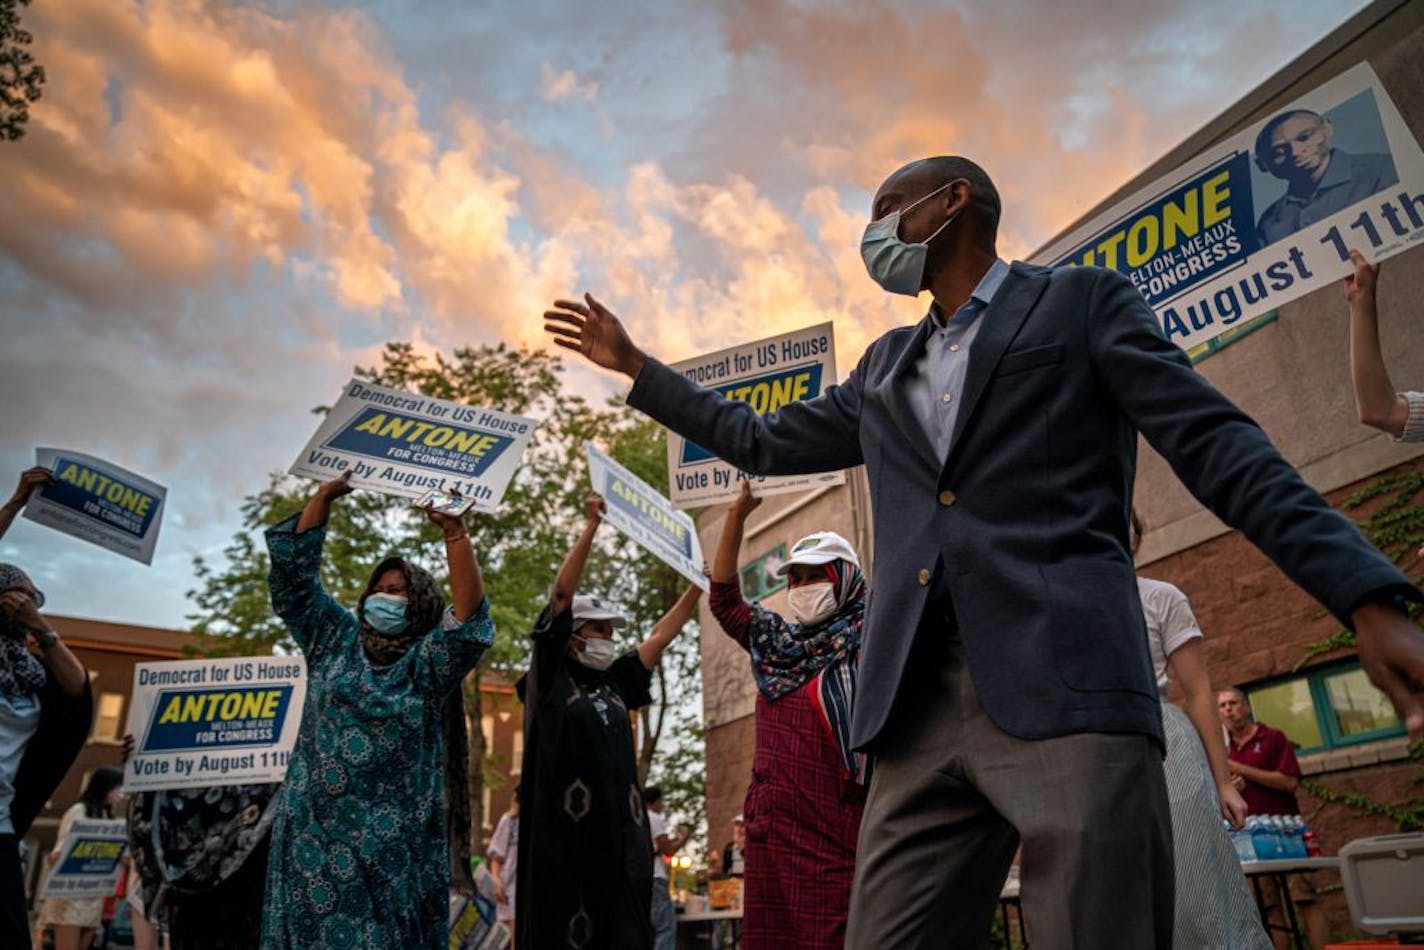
(445, 503)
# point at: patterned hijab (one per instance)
(787, 656)
(425, 607)
(21, 672)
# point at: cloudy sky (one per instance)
(220, 208)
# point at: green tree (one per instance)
(20, 76)
(520, 546)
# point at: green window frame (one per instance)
(757, 578)
(1314, 708)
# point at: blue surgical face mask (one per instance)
(385, 613)
(896, 266)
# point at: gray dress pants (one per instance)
(951, 799)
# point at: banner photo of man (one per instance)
(405, 444)
(99, 502)
(766, 374)
(642, 513)
(90, 858)
(1268, 215)
(198, 723)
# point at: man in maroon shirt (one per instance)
(1264, 768)
(1261, 757)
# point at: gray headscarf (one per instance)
(21, 672)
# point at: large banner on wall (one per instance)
(1267, 215)
(405, 444)
(767, 374)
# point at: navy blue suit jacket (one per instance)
(1025, 522)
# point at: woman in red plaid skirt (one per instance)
(808, 787)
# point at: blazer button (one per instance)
(946, 498)
(924, 577)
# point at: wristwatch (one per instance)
(46, 638)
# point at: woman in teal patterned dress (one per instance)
(360, 847)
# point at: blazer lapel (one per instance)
(898, 403)
(1016, 297)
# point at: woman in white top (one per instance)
(76, 921)
(1214, 908)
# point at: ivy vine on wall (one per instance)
(1396, 527)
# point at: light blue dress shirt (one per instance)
(938, 382)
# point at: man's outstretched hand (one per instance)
(591, 329)
(1392, 655)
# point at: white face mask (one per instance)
(895, 265)
(598, 653)
(812, 603)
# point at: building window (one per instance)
(1326, 708)
(759, 578)
(108, 720)
(516, 763)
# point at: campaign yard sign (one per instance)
(98, 502)
(1267, 215)
(226, 721)
(405, 444)
(767, 375)
(89, 859)
(641, 512)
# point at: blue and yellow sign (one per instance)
(1185, 237)
(1263, 216)
(102, 496)
(768, 376)
(650, 511)
(393, 436)
(90, 853)
(225, 721)
(99, 502)
(405, 444)
(765, 394)
(642, 513)
(233, 717)
(92, 856)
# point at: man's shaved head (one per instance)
(921, 177)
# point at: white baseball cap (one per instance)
(822, 547)
(587, 607)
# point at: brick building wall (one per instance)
(502, 722)
(729, 772)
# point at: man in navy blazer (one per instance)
(1004, 680)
